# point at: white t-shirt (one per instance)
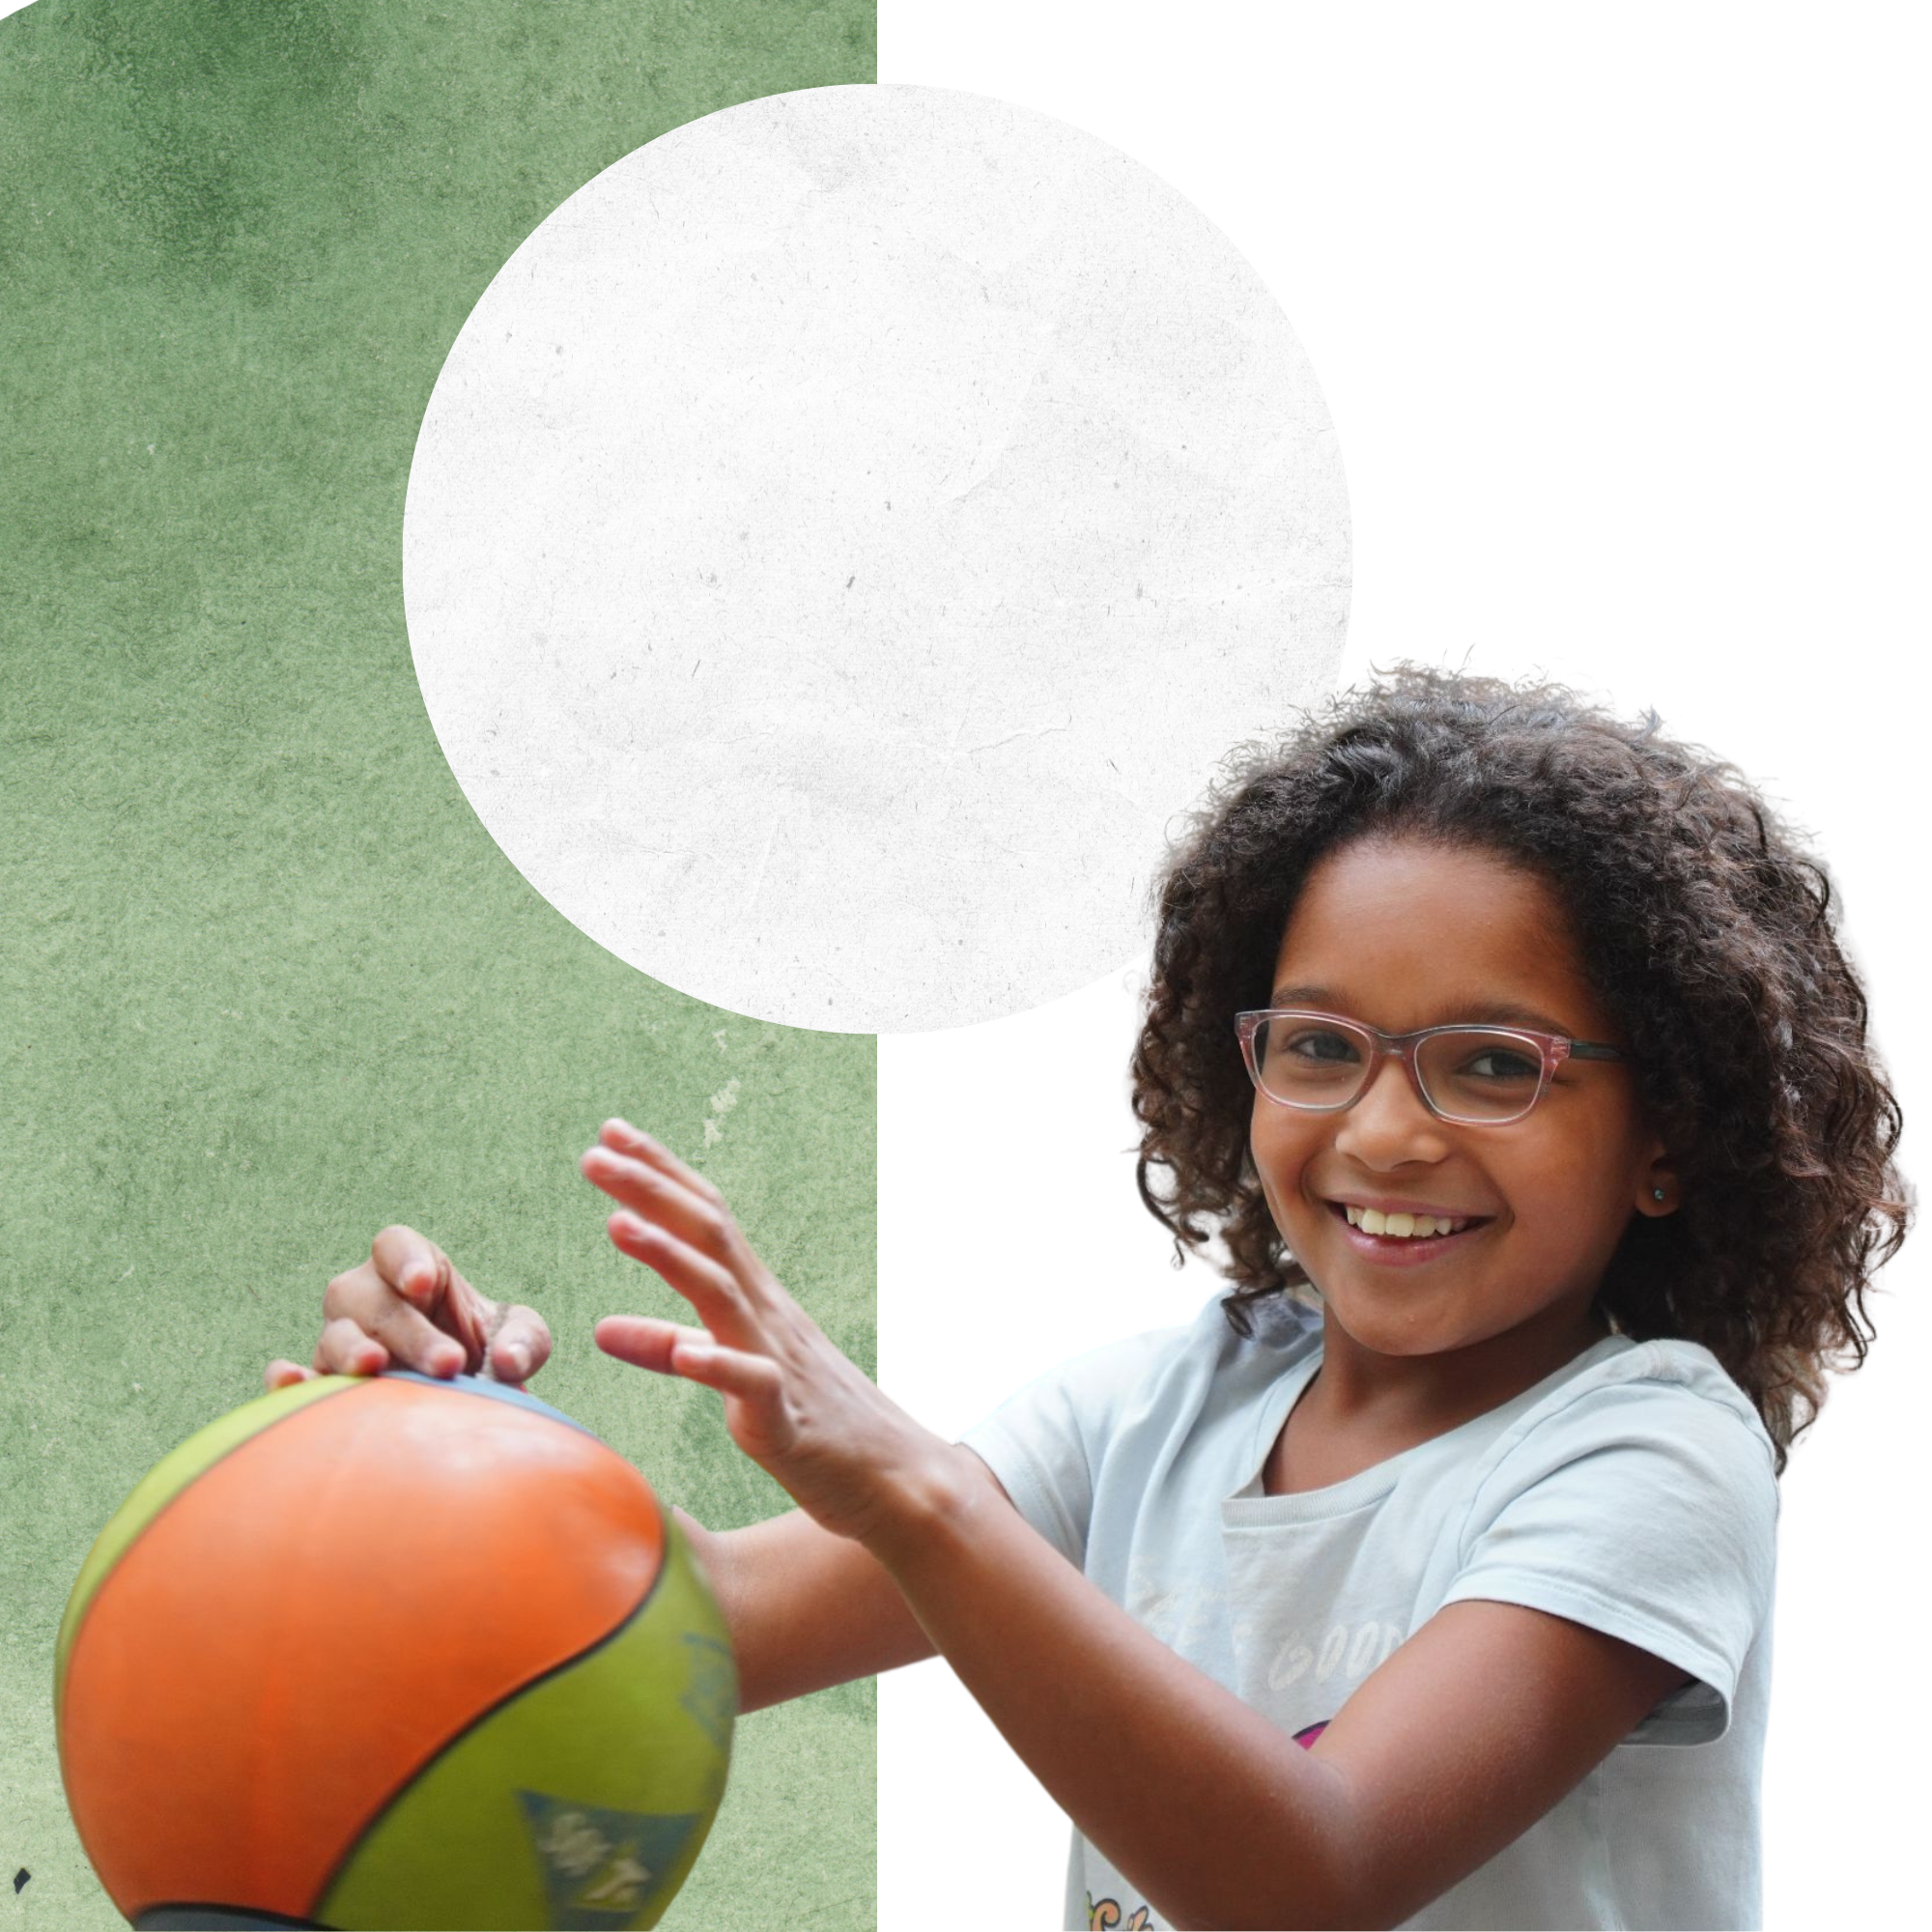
(1633, 1490)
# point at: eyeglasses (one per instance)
(1470, 1076)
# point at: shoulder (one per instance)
(1637, 1498)
(1644, 1473)
(1636, 1427)
(1644, 1394)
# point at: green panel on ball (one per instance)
(581, 1801)
(165, 1481)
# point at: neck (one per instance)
(1444, 1390)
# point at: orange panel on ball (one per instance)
(239, 1708)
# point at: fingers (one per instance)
(520, 1347)
(621, 1137)
(655, 1195)
(645, 1341)
(736, 1304)
(670, 1349)
(406, 1307)
(696, 1276)
(674, 1221)
(415, 1268)
(406, 1304)
(347, 1351)
(368, 1325)
(756, 1380)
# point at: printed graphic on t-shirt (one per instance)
(1178, 1612)
(1347, 1652)
(1105, 1917)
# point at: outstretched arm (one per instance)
(1465, 1736)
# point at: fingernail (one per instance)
(445, 1361)
(519, 1359)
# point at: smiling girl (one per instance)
(1505, 1057)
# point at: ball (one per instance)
(393, 1652)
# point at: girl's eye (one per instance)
(1500, 1062)
(1314, 1043)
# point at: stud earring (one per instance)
(1657, 1194)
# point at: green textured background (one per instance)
(268, 983)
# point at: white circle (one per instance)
(847, 531)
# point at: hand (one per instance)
(798, 1407)
(408, 1305)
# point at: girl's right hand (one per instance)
(407, 1306)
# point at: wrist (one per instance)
(933, 1503)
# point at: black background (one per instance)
(1570, 397)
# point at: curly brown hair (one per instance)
(1706, 932)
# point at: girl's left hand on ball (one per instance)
(793, 1404)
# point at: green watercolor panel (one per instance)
(265, 984)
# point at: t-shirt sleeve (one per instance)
(1647, 1510)
(1046, 1445)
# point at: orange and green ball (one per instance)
(393, 1652)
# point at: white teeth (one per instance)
(1373, 1221)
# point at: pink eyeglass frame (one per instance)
(1553, 1048)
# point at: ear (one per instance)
(1658, 1193)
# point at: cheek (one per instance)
(1584, 1176)
(1262, 1139)
(1280, 1143)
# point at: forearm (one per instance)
(1215, 1815)
(806, 1608)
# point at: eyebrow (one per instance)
(1473, 1012)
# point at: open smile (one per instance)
(1403, 1236)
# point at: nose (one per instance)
(1388, 1126)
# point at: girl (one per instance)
(1505, 1054)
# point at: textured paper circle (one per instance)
(847, 531)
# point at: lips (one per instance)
(1404, 1251)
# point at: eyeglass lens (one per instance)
(1469, 1073)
